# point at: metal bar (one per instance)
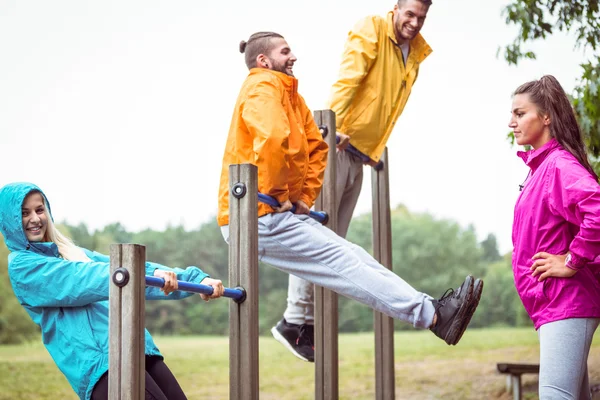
(353, 150)
(237, 294)
(320, 216)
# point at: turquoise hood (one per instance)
(68, 300)
(11, 200)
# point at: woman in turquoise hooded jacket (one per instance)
(64, 288)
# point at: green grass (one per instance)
(426, 368)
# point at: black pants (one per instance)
(160, 383)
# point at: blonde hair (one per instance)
(66, 248)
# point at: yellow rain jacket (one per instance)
(374, 84)
(273, 129)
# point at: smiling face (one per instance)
(409, 17)
(34, 217)
(529, 126)
(281, 57)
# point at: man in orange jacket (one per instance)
(273, 129)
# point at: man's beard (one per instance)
(407, 36)
(281, 68)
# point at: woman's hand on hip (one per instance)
(546, 265)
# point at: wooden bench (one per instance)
(514, 371)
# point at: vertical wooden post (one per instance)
(126, 376)
(326, 301)
(243, 271)
(382, 248)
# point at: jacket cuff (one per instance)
(282, 198)
(307, 200)
(576, 262)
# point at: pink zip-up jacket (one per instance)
(557, 212)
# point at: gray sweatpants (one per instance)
(564, 349)
(348, 183)
(349, 177)
(300, 246)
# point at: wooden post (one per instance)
(243, 271)
(326, 304)
(382, 248)
(126, 357)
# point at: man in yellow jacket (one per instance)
(379, 66)
(273, 129)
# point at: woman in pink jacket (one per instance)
(556, 237)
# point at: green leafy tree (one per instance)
(489, 246)
(117, 232)
(79, 234)
(429, 253)
(538, 19)
(15, 324)
(500, 303)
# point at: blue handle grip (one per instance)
(238, 294)
(363, 157)
(320, 216)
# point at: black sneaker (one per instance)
(296, 338)
(455, 309)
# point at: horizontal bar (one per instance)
(363, 157)
(320, 216)
(238, 294)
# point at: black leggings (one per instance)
(160, 383)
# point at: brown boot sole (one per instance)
(455, 329)
(471, 307)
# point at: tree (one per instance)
(15, 324)
(490, 249)
(500, 304)
(538, 19)
(79, 234)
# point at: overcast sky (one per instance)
(119, 110)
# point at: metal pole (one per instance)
(237, 294)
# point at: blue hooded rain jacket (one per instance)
(68, 299)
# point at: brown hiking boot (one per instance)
(455, 309)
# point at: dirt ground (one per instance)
(474, 379)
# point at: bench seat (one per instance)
(514, 371)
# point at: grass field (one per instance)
(426, 368)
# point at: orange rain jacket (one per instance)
(374, 84)
(273, 129)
